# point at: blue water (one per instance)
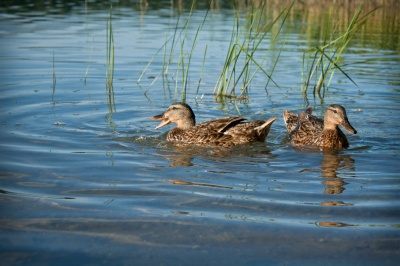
(82, 184)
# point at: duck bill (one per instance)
(164, 120)
(346, 125)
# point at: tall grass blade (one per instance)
(110, 66)
(202, 70)
(90, 58)
(110, 52)
(186, 73)
(54, 79)
(179, 37)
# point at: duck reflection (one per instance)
(333, 224)
(176, 159)
(177, 155)
(183, 154)
(332, 161)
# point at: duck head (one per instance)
(336, 115)
(178, 113)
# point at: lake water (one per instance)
(82, 183)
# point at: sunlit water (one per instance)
(79, 185)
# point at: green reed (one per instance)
(325, 59)
(110, 64)
(109, 51)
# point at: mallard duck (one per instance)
(226, 131)
(306, 129)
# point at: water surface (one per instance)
(83, 184)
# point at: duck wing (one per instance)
(219, 125)
(252, 131)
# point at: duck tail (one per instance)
(263, 130)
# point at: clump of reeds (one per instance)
(241, 63)
(325, 58)
(240, 66)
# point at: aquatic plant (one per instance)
(325, 58)
(240, 61)
(244, 58)
(244, 43)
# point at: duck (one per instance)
(225, 131)
(305, 129)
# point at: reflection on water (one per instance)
(332, 161)
(334, 165)
(186, 183)
(178, 154)
(335, 203)
(333, 224)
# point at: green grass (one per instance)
(320, 63)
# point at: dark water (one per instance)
(82, 184)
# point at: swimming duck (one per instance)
(226, 131)
(306, 129)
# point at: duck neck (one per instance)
(184, 125)
(330, 126)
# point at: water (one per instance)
(82, 185)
